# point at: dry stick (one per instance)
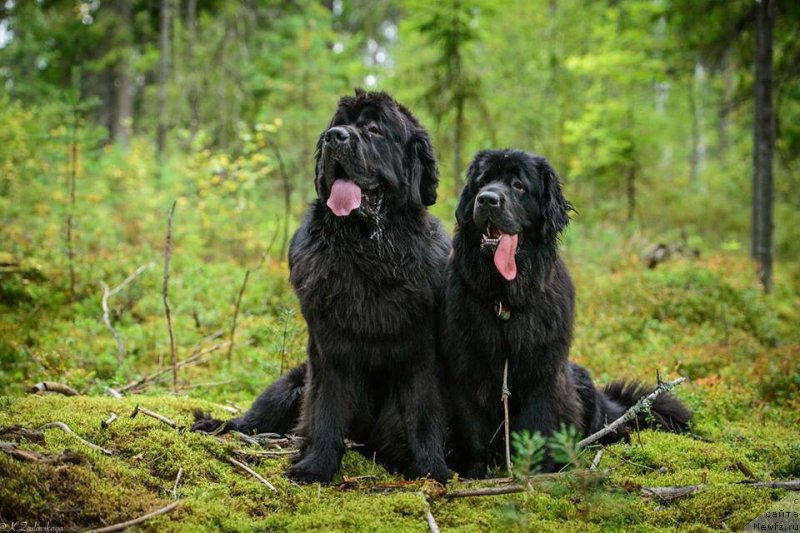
(194, 359)
(486, 491)
(504, 397)
(239, 303)
(673, 493)
(207, 384)
(107, 322)
(52, 386)
(63, 427)
(175, 486)
(252, 473)
(165, 292)
(641, 405)
(138, 409)
(73, 173)
(125, 525)
(108, 293)
(105, 423)
(434, 527)
(597, 458)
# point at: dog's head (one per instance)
(374, 158)
(511, 199)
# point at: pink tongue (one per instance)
(345, 196)
(504, 256)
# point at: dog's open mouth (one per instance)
(503, 247)
(347, 195)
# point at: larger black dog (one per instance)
(367, 265)
(509, 297)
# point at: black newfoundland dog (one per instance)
(509, 297)
(367, 265)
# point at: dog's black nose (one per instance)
(337, 134)
(489, 199)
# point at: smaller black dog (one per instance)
(509, 297)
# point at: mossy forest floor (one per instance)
(704, 318)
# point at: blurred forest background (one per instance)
(675, 125)
(112, 110)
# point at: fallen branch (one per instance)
(52, 386)
(138, 409)
(432, 525)
(30, 456)
(63, 427)
(668, 494)
(125, 525)
(252, 473)
(486, 491)
(165, 294)
(504, 398)
(641, 405)
(526, 484)
(110, 420)
(208, 384)
(20, 432)
(175, 486)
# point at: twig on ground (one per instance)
(175, 486)
(745, 470)
(641, 405)
(125, 525)
(526, 484)
(596, 461)
(434, 527)
(30, 456)
(668, 494)
(113, 392)
(234, 406)
(20, 432)
(110, 420)
(165, 294)
(504, 398)
(252, 473)
(139, 409)
(52, 386)
(63, 427)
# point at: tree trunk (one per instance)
(121, 126)
(698, 156)
(723, 111)
(191, 26)
(163, 69)
(630, 190)
(763, 144)
(459, 135)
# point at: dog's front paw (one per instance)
(203, 422)
(306, 471)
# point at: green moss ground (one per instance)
(703, 318)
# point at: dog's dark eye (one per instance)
(372, 128)
(518, 185)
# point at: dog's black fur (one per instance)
(518, 193)
(368, 285)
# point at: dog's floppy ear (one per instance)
(424, 170)
(319, 183)
(553, 206)
(465, 199)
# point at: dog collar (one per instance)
(503, 312)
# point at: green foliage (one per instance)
(529, 452)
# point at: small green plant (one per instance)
(564, 446)
(529, 452)
(530, 449)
